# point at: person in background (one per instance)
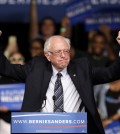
(107, 32)
(5, 114)
(98, 56)
(75, 53)
(66, 29)
(36, 47)
(91, 33)
(47, 28)
(109, 106)
(112, 46)
(109, 110)
(17, 58)
(12, 46)
(112, 52)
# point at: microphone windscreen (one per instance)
(54, 97)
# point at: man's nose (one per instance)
(62, 54)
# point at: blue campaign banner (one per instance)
(94, 13)
(85, 8)
(11, 96)
(94, 22)
(113, 128)
(19, 10)
(49, 122)
(78, 10)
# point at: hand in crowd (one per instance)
(118, 38)
(65, 29)
(3, 109)
(0, 32)
(65, 22)
(106, 122)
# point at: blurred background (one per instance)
(91, 25)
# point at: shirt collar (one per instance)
(63, 72)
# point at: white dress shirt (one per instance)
(71, 96)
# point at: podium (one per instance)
(36, 122)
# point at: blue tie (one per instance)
(58, 93)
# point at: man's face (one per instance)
(48, 28)
(58, 54)
(17, 58)
(98, 46)
(36, 49)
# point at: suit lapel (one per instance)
(46, 79)
(78, 81)
(82, 86)
(75, 78)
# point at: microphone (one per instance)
(54, 98)
(39, 110)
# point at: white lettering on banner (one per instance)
(3, 1)
(46, 2)
(20, 121)
(11, 96)
(78, 9)
(42, 2)
(94, 2)
(11, 2)
(49, 121)
(12, 99)
(56, 2)
(97, 2)
(22, 1)
(102, 20)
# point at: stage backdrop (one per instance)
(19, 10)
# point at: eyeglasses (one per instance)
(59, 52)
(16, 60)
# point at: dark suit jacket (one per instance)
(37, 74)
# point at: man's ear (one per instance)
(47, 55)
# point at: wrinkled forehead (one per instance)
(58, 44)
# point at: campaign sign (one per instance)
(11, 96)
(94, 22)
(94, 13)
(113, 128)
(37, 122)
(78, 10)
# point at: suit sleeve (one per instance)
(14, 71)
(108, 74)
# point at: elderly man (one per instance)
(56, 84)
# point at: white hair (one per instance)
(48, 42)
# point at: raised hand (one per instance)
(0, 32)
(118, 38)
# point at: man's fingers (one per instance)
(0, 32)
(118, 38)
